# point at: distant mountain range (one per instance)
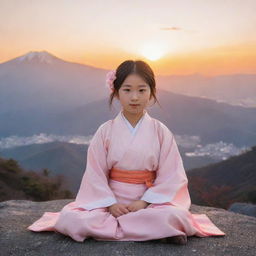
(69, 159)
(42, 93)
(236, 89)
(60, 158)
(39, 71)
(184, 115)
(220, 184)
(217, 184)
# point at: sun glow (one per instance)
(152, 51)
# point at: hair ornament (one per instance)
(110, 77)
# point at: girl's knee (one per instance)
(179, 211)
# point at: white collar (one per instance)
(131, 128)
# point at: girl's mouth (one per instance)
(134, 105)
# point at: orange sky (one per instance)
(174, 37)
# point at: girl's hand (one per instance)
(118, 209)
(137, 205)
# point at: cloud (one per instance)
(171, 28)
(178, 29)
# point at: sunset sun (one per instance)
(152, 51)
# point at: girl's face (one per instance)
(134, 90)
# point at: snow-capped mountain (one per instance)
(36, 56)
(41, 80)
(39, 84)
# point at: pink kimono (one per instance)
(149, 146)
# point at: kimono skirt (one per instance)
(156, 221)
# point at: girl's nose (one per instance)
(134, 95)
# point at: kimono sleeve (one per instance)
(94, 191)
(171, 183)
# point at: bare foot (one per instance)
(181, 240)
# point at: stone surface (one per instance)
(243, 208)
(17, 215)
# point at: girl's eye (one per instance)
(141, 90)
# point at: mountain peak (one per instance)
(37, 56)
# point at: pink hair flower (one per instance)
(110, 77)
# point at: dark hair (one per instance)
(134, 67)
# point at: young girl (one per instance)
(134, 187)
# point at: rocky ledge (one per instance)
(17, 215)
